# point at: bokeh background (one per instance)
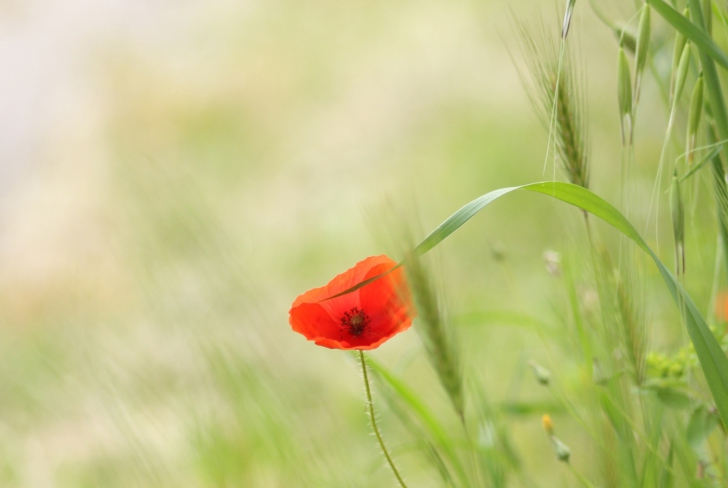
(174, 173)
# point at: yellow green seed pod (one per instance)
(542, 374)
(677, 51)
(694, 115)
(677, 210)
(708, 15)
(643, 41)
(624, 95)
(562, 451)
(682, 73)
(626, 39)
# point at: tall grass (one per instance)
(586, 378)
(650, 417)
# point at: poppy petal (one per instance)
(363, 319)
(343, 281)
(313, 321)
(389, 300)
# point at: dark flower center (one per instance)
(355, 321)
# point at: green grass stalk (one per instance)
(373, 419)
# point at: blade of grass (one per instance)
(419, 408)
(721, 200)
(703, 162)
(720, 116)
(691, 31)
(713, 360)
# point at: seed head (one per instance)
(542, 374)
(643, 43)
(682, 73)
(678, 223)
(624, 95)
(694, 115)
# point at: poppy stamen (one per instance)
(355, 320)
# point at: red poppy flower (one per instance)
(362, 319)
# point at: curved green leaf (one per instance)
(702, 422)
(691, 31)
(713, 360)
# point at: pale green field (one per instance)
(227, 158)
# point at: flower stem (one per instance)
(370, 408)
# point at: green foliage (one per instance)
(691, 31)
(234, 188)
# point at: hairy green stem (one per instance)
(370, 409)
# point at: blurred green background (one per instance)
(176, 173)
